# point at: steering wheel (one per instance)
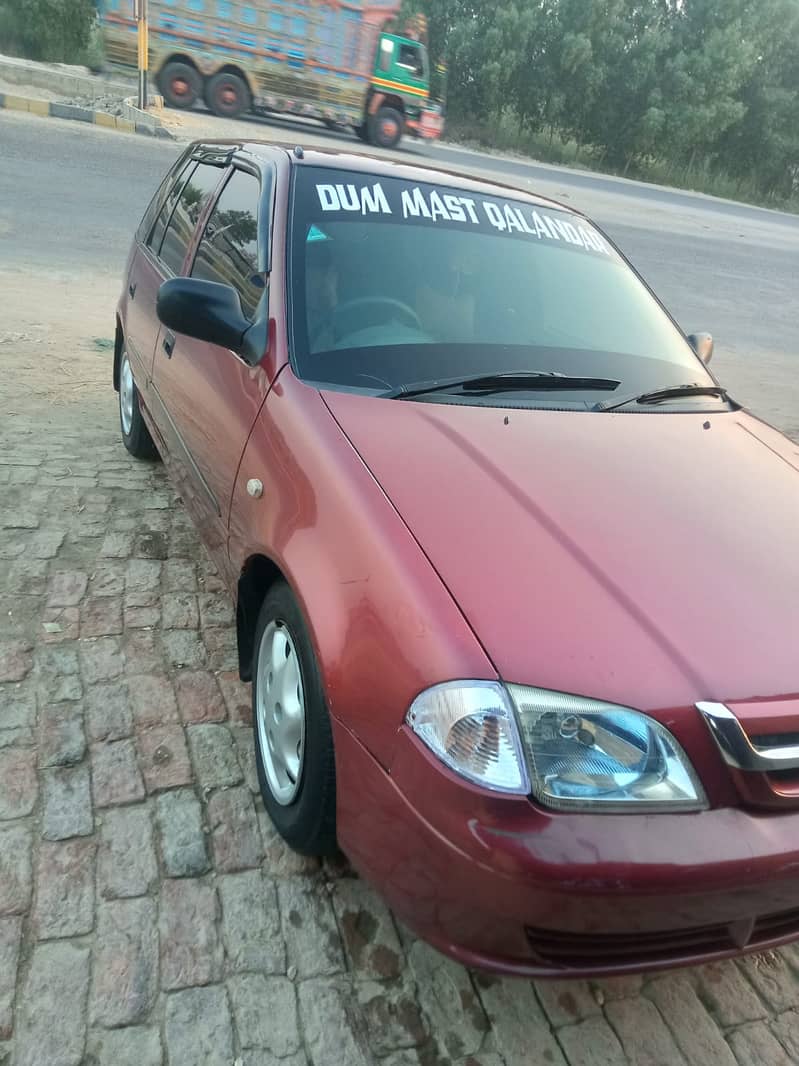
(360, 303)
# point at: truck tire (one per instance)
(227, 95)
(386, 127)
(180, 85)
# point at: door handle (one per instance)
(169, 343)
(132, 290)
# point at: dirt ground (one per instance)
(56, 345)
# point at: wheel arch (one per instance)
(257, 576)
(177, 57)
(396, 102)
(382, 99)
(119, 343)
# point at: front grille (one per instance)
(763, 765)
(772, 926)
(592, 950)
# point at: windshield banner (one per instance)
(400, 201)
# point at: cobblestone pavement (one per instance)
(148, 912)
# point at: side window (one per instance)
(190, 205)
(410, 59)
(228, 251)
(157, 234)
(173, 177)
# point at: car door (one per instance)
(146, 274)
(210, 395)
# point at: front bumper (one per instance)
(502, 885)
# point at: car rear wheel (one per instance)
(293, 739)
(180, 85)
(135, 434)
(227, 95)
(386, 127)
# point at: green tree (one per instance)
(693, 83)
(764, 143)
(50, 30)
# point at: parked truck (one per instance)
(344, 62)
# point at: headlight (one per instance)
(582, 754)
(470, 726)
(588, 754)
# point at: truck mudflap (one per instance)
(429, 126)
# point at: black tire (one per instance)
(308, 821)
(180, 85)
(135, 434)
(386, 127)
(227, 95)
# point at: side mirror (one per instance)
(702, 344)
(205, 310)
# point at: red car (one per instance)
(516, 581)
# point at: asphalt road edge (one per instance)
(53, 109)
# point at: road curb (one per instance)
(54, 109)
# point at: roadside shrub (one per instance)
(55, 31)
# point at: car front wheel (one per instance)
(293, 739)
(135, 434)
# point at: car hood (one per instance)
(648, 559)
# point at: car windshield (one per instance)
(396, 283)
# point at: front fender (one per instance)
(383, 625)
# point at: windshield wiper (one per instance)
(669, 392)
(516, 381)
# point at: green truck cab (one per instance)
(347, 66)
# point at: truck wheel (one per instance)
(386, 127)
(179, 84)
(227, 95)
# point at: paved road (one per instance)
(70, 200)
(146, 904)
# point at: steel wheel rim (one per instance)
(280, 712)
(126, 395)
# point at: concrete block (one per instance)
(82, 114)
(16, 103)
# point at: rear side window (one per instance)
(174, 176)
(228, 251)
(191, 203)
(168, 206)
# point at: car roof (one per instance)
(382, 167)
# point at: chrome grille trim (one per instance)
(737, 749)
